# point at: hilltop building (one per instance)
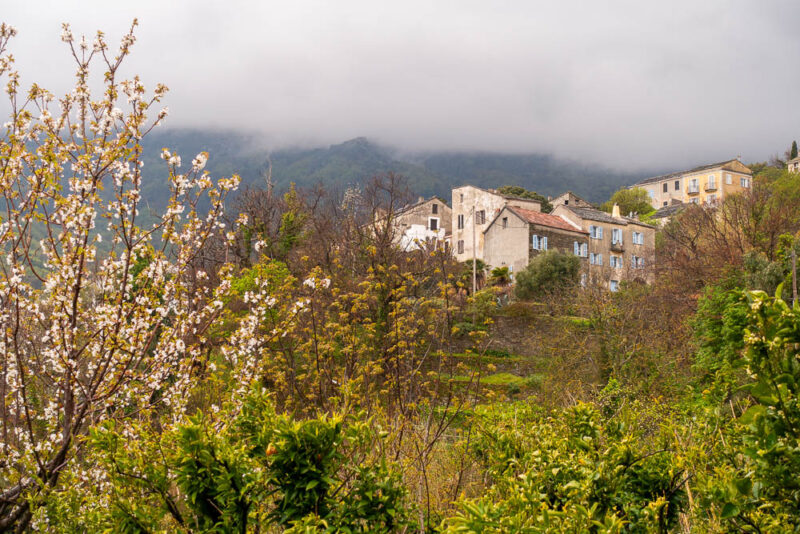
(706, 184)
(620, 248)
(517, 235)
(570, 199)
(793, 165)
(423, 224)
(473, 209)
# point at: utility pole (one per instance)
(474, 261)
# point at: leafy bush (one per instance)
(549, 272)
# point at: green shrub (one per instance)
(548, 273)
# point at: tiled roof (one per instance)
(679, 173)
(593, 214)
(545, 219)
(667, 211)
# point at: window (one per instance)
(616, 236)
(638, 263)
(666, 187)
(615, 261)
(693, 201)
(677, 185)
(583, 279)
(505, 222)
(651, 192)
(613, 285)
(584, 250)
(576, 248)
(711, 199)
(595, 259)
(480, 217)
(460, 223)
(596, 232)
(435, 209)
(462, 198)
(712, 182)
(566, 202)
(728, 179)
(580, 249)
(694, 186)
(539, 242)
(745, 182)
(433, 223)
(460, 247)
(638, 238)
(665, 203)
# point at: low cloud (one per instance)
(627, 84)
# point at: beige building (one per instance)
(620, 248)
(793, 164)
(516, 235)
(473, 209)
(706, 184)
(570, 199)
(423, 224)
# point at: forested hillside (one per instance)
(355, 161)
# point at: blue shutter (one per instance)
(544, 243)
(584, 249)
(576, 248)
(599, 232)
(535, 242)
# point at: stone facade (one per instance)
(473, 209)
(422, 224)
(517, 235)
(570, 199)
(620, 248)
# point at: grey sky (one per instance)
(629, 84)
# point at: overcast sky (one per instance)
(630, 84)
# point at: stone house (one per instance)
(793, 165)
(620, 248)
(570, 199)
(425, 223)
(516, 235)
(706, 184)
(473, 209)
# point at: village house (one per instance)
(707, 184)
(620, 248)
(517, 235)
(793, 165)
(423, 224)
(473, 209)
(570, 199)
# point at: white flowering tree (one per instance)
(99, 317)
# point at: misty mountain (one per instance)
(353, 162)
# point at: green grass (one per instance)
(504, 379)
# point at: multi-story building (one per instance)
(620, 248)
(517, 235)
(700, 185)
(473, 209)
(424, 223)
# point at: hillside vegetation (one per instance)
(263, 370)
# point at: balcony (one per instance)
(617, 247)
(710, 188)
(693, 190)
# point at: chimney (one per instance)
(615, 211)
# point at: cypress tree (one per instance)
(794, 150)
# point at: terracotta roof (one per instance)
(545, 219)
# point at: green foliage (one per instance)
(570, 471)
(718, 327)
(293, 223)
(521, 192)
(548, 272)
(259, 469)
(793, 150)
(635, 200)
(500, 276)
